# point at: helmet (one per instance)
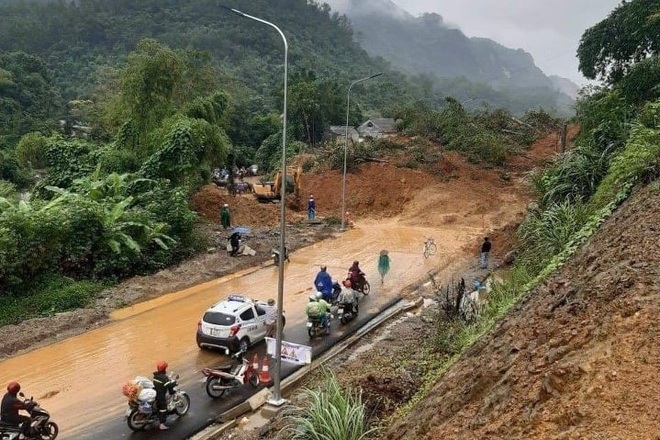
(356, 263)
(324, 268)
(312, 297)
(319, 295)
(271, 302)
(161, 366)
(347, 283)
(13, 387)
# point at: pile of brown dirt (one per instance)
(375, 190)
(245, 209)
(577, 359)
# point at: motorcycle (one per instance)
(361, 284)
(142, 410)
(41, 428)
(347, 311)
(275, 255)
(331, 297)
(315, 326)
(223, 378)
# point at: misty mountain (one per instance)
(565, 85)
(427, 45)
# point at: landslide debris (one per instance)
(578, 358)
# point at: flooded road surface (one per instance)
(79, 379)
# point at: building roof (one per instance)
(378, 125)
(340, 130)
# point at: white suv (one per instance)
(233, 324)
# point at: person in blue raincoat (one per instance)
(323, 283)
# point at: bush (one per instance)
(52, 294)
(329, 413)
(638, 162)
(31, 151)
(8, 190)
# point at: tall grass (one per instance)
(328, 413)
(546, 232)
(575, 175)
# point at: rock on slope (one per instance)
(577, 358)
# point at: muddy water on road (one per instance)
(79, 379)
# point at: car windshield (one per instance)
(218, 318)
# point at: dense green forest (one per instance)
(82, 44)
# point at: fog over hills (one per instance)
(428, 45)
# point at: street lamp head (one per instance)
(343, 184)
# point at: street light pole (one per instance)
(343, 184)
(277, 394)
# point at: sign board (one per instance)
(293, 353)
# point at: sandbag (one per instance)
(143, 382)
(147, 395)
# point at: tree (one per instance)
(28, 100)
(146, 87)
(642, 83)
(627, 36)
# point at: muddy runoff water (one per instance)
(79, 379)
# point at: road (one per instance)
(79, 379)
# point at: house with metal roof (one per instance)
(377, 127)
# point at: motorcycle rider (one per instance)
(347, 297)
(356, 275)
(11, 404)
(317, 308)
(323, 283)
(162, 384)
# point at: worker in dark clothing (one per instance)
(485, 252)
(11, 405)
(162, 384)
(234, 240)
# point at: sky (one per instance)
(549, 30)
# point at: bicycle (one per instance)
(429, 247)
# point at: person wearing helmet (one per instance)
(317, 308)
(347, 298)
(323, 283)
(11, 405)
(356, 276)
(162, 384)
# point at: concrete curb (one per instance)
(229, 418)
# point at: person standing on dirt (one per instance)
(485, 252)
(383, 265)
(311, 208)
(225, 216)
(234, 241)
(162, 385)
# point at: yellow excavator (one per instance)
(270, 191)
